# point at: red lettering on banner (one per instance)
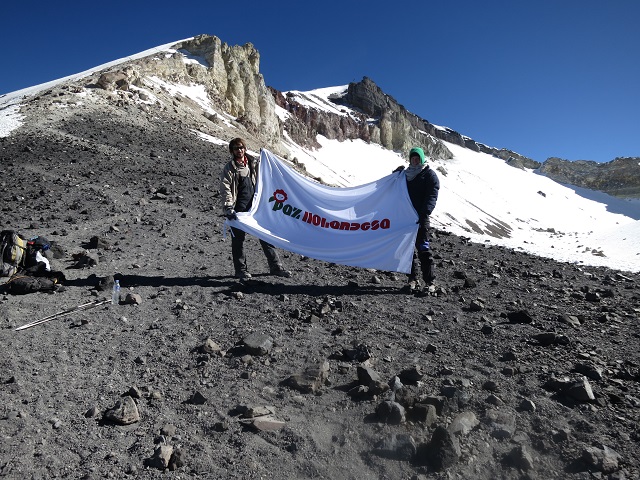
(318, 221)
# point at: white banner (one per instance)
(370, 226)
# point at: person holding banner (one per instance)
(237, 187)
(423, 186)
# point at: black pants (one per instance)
(237, 251)
(423, 257)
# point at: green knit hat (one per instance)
(418, 151)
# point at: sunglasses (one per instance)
(238, 148)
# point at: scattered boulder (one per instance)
(411, 376)
(370, 379)
(85, 260)
(581, 391)
(502, 424)
(520, 457)
(311, 379)
(520, 316)
(605, 459)
(257, 344)
(210, 347)
(390, 412)
(400, 447)
(133, 299)
(161, 457)
(463, 423)
(124, 412)
(197, 399)
(99, 243)
(441, 452)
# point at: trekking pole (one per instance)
(63, 313)
(50, 317)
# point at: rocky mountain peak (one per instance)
(236, 95)
(229, 74)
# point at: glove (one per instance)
(398, 169)
(231, 215)
(424, 246)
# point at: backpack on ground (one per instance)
(13, 252)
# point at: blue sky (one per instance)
(543, 78)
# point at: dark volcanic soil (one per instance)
(514, 367)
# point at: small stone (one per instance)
(520, 316)
(441, 452)
(411, 376)
(92, 412)
(133, 299)
(197, 399)
(527, 405)
(125, 412)
(397, 447)
(168, 430)
(501, 423)
(490, 385)
(311, 380)
(259, 411)
(423, 413)
(581, 391)
(391, 412)
(267, 424)
(605, 460)
(369, 378)
(521, 458)
(161, 457)
(258, 344)
(570, 320)
(210, 347)
(463, 423)
(494, 400)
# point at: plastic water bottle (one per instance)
(115, 297)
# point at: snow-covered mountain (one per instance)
(481, 196)
(488, 201)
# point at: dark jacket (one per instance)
(423, 192)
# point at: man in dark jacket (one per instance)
(237, 187)
(423, 187)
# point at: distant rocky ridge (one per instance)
(620, 177)
(386, 122)
(232, 81)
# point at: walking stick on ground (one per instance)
(63, 313)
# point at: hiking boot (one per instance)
(278, 271)
(411, 287)
(243, 275)
(428, 289)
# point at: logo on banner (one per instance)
(280, 197)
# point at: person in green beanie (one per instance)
(423, 186)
